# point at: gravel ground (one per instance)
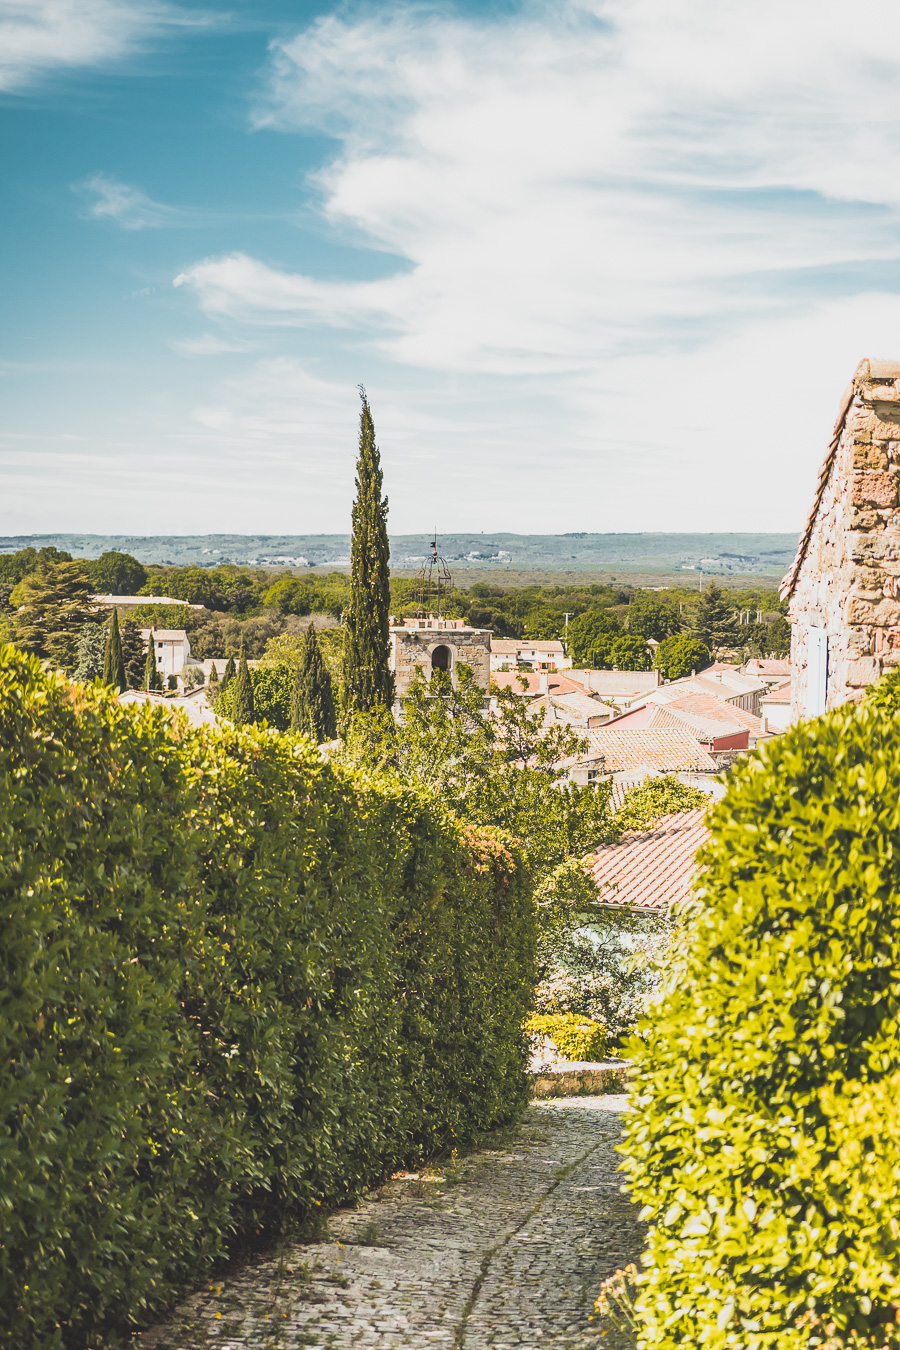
(506, 1248)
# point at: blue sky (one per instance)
(601, 264)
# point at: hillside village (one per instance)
(561, 765)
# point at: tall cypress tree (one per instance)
(113, 661)
(368, 683)
(242, 710)
(152, 682)
(229, 674)
(299, 721)
(317, 690)
(213, 678)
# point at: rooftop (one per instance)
(667, 745)
(651, 869)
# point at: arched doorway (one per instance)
(441, 659)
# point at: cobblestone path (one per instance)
(507, 1249)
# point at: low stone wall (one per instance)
(581, 1080)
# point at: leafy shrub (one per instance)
(764, 1145)
(680, 655)
(884, 694)
(238, 982)
(576, 1038)
(272, 689)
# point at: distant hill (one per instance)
(726, 554)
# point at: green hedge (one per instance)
(765, 1145)
(237, 984)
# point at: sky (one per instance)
(601, 265)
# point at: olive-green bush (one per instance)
(765, 1145)
(576, 1038)
(238, 983)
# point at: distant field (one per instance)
(641, 559)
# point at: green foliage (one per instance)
(230, 672)
(576, 1038)
(115, 573)
(714, 622)
(587, 631)
(193, 585)
(152, 681)
(620, 651)
(90, 649)
(272, 688)
(763, 1146)
(132, 653)
(312, 699)
(505, 771)
(289, 595)
(52, 603)
(163, 616)
(113, 661)
(651, 615)
(884, 694)
(14, 567)
(680, 655)
(213, 675)
(368, 683)
(647, 803)
(238, 983)
(243, 711)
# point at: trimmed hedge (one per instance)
(238, 984)
(576, 1038)
(765, 1144)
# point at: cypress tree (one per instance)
(317, 692)
(213, 675)
(113, 661)
(368, 683)
(151, 674)
(242, 711)
(299, 719)
(229, 674)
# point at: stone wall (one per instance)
(412, 648)
(847, 575)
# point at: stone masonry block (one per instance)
(864, 670)
(875, 489)
(860, 613)
(887, 614)
(870, 456)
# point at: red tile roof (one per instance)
(651, 869)
(667, 745)
(714, 710)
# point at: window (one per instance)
(440, 658)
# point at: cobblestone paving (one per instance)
(506, 1250)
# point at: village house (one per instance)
(843, 588)
(579, 711)
(172, 649)
(538, 653)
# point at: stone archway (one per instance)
(441, 658)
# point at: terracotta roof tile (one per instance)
(651, 869)
(667, 745)
(714, 710)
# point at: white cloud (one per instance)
(599, 204)
(107, 199)
(40, 37)
(209, 344)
